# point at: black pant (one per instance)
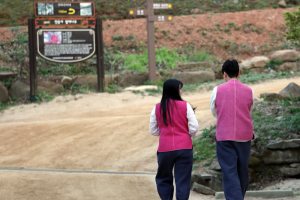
(182, 161)
(234, 159)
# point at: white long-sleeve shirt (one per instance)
(192, 121)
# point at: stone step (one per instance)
(262, 194)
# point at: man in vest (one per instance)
(231, 103)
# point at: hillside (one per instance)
(16, 12)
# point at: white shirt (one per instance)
(213, 106)
(192, 121)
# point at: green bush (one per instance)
(117, 37)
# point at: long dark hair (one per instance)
(170, 91)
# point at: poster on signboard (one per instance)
(66, 45)
(66, 9)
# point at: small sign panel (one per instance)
(161, 18)
(70, 22)
(66, 45)
(66, 9)
(162, 6)
(138, 12)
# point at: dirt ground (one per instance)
(102, 132)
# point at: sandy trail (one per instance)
(103, 132)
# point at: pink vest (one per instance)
(175, 136)
(233, 104)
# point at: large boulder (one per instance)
(19, 89)
(194, 77)
(196, 66)
(197, 178)
(287, 66)
(255, 62)
(202, 189)
(281, 156)
(285, 55)
(292, 89)
(3, 94)
(7, 75)
(283, 144)
(65, 80)
(260, 61)
(50, 87)
(91, 81)
(213, 133)
(271, 96)
(294, 171)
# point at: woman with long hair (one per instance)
(174, 121)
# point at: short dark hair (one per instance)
(231, 67)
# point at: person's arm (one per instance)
(153, 127)
(253, 102)
(212, 102)
(192, 120)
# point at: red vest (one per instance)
(175, 136)
(233, 104)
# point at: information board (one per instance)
(66, 45)
(66, 9)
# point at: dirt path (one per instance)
(101, 132)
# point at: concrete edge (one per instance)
(262, 194)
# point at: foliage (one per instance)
(274, 63)
(118, 9)
(292, 20)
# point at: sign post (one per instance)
(54, 41)
(151, 18)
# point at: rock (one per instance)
(247, 64)
(19, 89)
(195, 11)
(134, 79)
(292, 89)
(92, 81)
(235, 1)
(295, 165)
(287, 66)
(295, 136)
(282, 4)
(216, 166)
(216, 183)
(3, 94)
(194, 77)
(213, 133)
(255, 62)
(271, 96)
(252, 176)
(197, 178)
(202, 189)
(254, 162)
(195, 66)
(285, 55)
(7, 75)
(259, 61)
(66, 80)
(283, 144)
(281, 156)
(290, 171)
(50, 87)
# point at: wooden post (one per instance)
(151, 42)
(32, 59)
(100, 55)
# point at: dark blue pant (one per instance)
(182, 161)
(234, 159)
